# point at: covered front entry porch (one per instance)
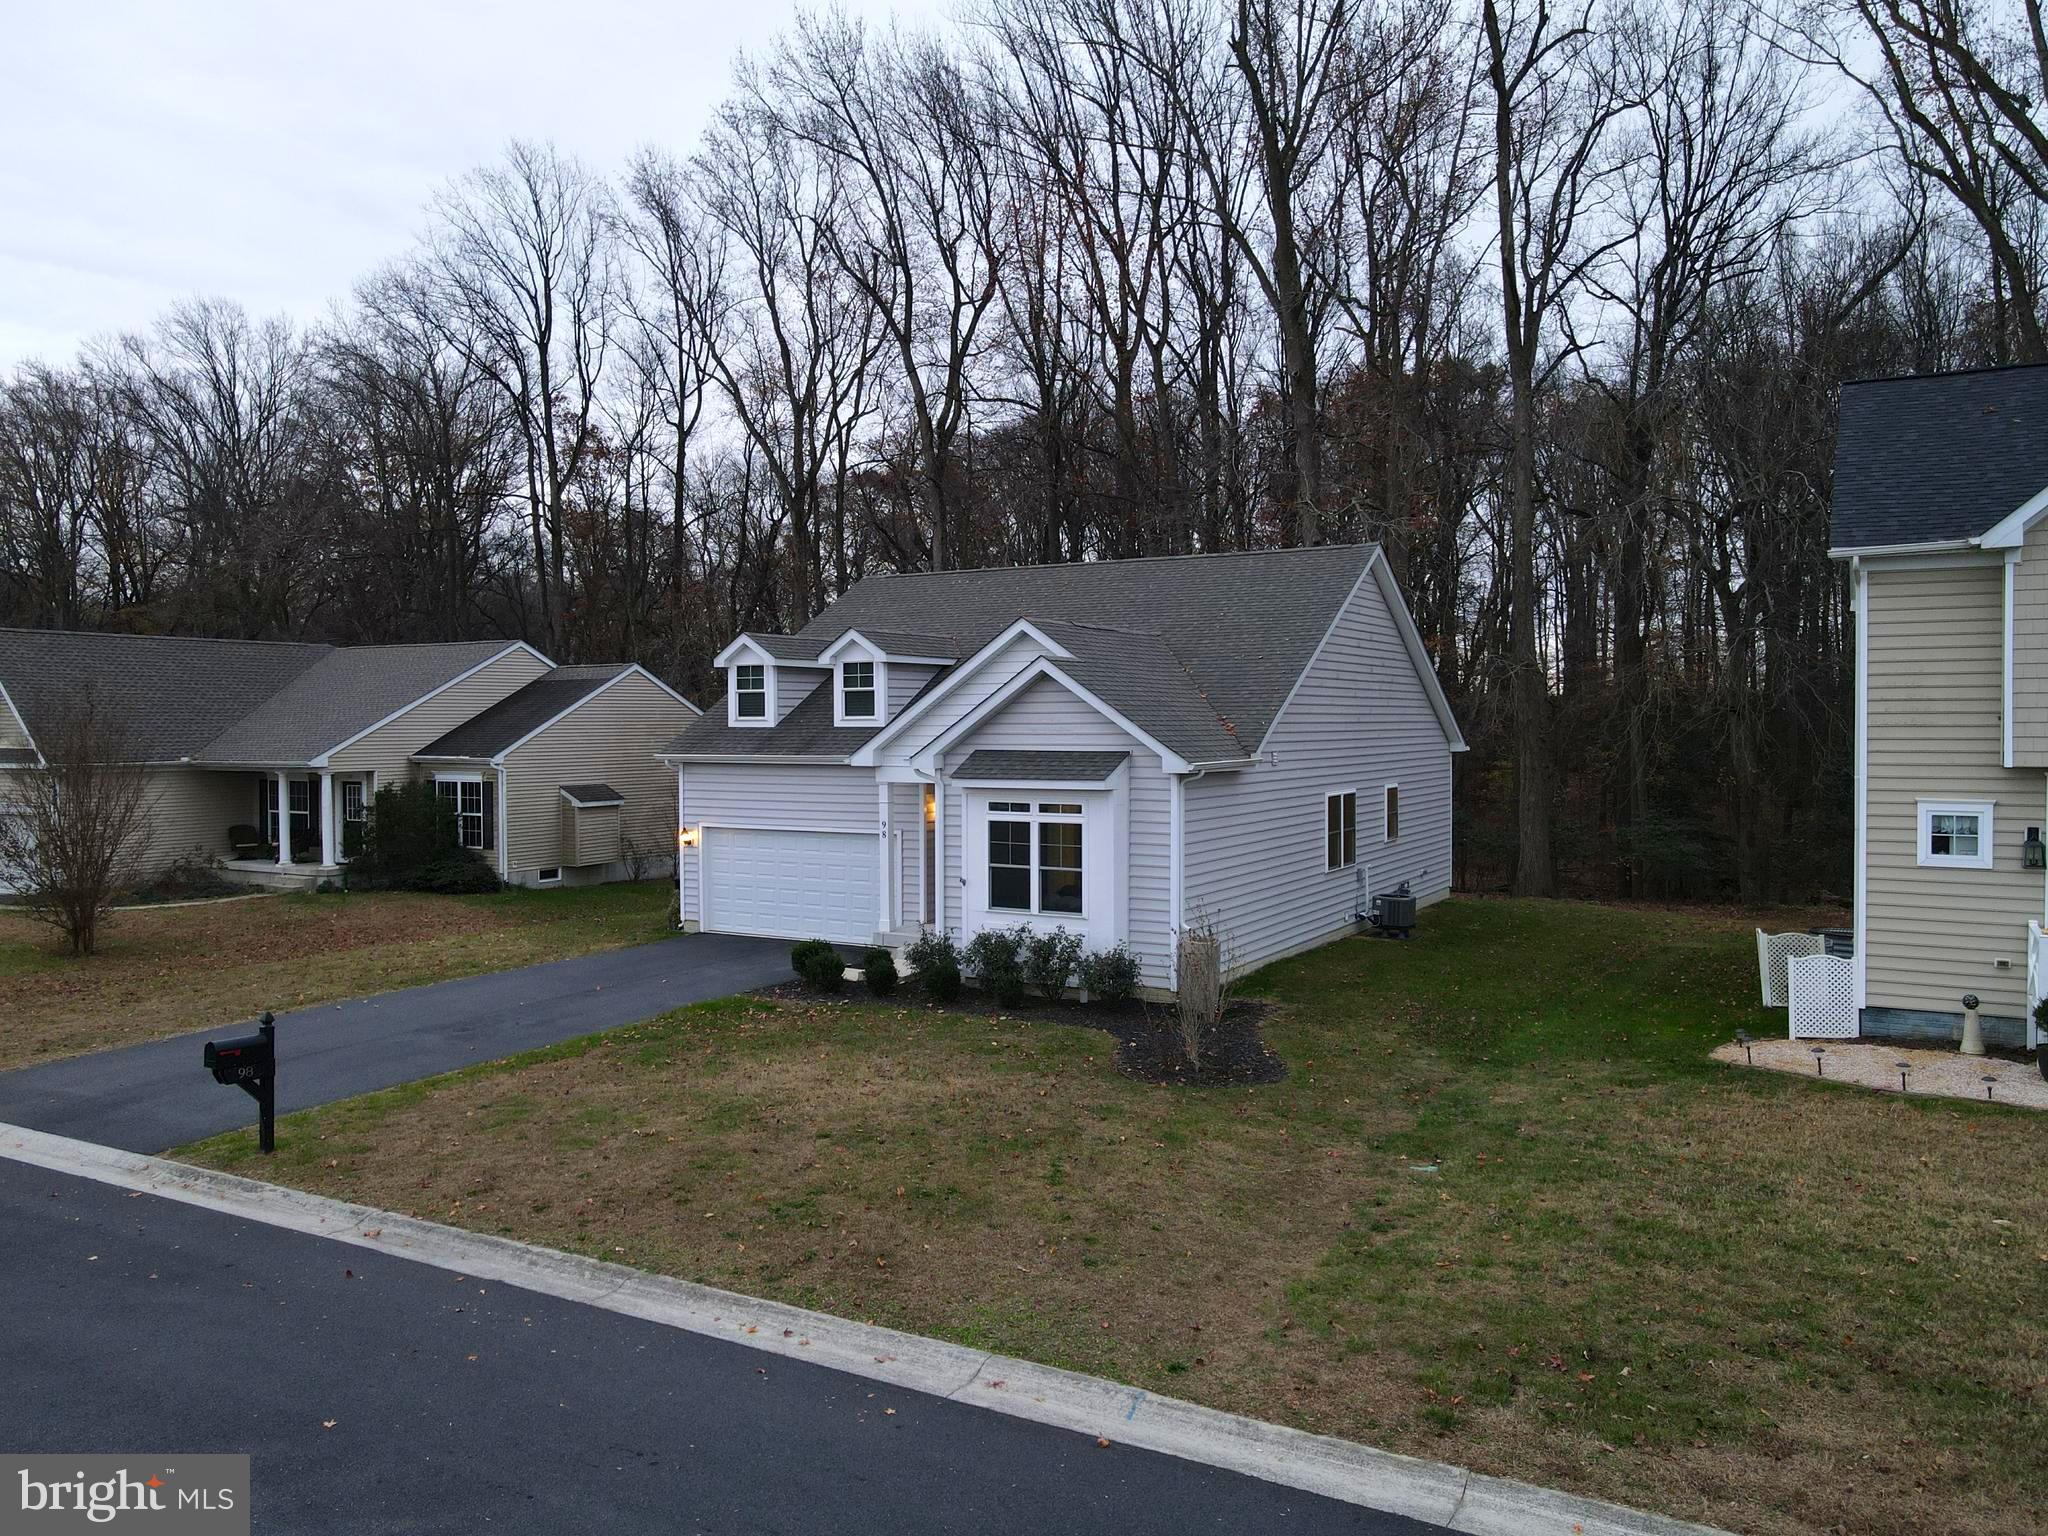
(306, 823)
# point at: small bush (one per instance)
(195, 876)
(996, 956)
(880, 969)
(936, 959)
(458, 873)
(819, 964)
(1049, 959)
(410, 843)
(1110, 975)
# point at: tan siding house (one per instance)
(261, 755)
(1940, 510)
(1934, 730)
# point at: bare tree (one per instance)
(1554, 108)
(73, 836)
(1957, 89)
(526, 293)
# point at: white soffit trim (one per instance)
(741, 643)
(461, 677)
(865, 756)
(2011, 531)
(1047, 667)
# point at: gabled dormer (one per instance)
(753, 685)
(873, 675)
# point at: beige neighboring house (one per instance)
(264, 755)
(1941, 512)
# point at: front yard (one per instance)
(1504, 1211)
(163, 971)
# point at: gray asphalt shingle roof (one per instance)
(171, 694)
(520, 714)
(593, 794)
(1199, 651)
(346, 692)
(1938, 457)
(1025, 767)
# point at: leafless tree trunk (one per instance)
(73, 823)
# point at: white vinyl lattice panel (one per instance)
(1823, 991)
(1773, 951)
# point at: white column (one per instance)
(882, 923)
(329, 853)
(284, 818)
(939, 848)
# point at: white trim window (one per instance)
(1035, 859)
(473, 798)
(1391, 813)
(858, 694)
(1340, 829)
(750, 693)
(355, 805)
(1955, 834)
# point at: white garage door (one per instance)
(792, 885)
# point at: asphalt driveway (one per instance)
(148, 1098)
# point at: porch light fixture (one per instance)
(2034, 852)
(686, 837)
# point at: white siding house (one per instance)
(1116, 748)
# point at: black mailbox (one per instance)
(249, 1062)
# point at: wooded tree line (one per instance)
(1552, 297)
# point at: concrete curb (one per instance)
(1449, 1496)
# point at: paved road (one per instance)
(136, 1324)
(148, 1098)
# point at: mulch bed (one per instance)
(1148, 1039)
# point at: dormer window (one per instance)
(750, 691)
(857, 690)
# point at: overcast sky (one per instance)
(273, 153)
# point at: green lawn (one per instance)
(1504, 1211)
(160, 971)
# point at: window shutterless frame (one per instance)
(1340, 829)
(1392, 813)
(857, 690)
(1036, 858)
(750, 691)
(1954, 834)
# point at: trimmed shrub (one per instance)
(935, 959)
(819, 964)
(996, 956)
(456, 873)
(880, 969)
(1110, 975)
(1049, 959)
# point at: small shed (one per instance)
(591, 815)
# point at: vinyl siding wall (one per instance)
(906, 681)
(611, 738)
(827, 796)
(13, 735)
(1935, 681)
(1360, 719)
(793, 685)
(998, 670)
(2030, 651)
(388, 749)
(1045, 716)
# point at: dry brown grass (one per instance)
(163, 971)
(1737, 1297)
